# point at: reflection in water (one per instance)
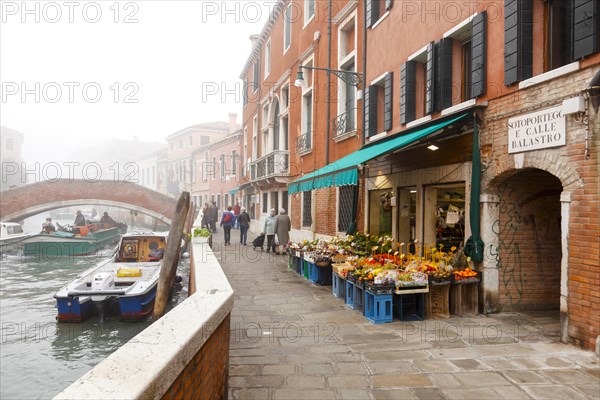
(41, 357)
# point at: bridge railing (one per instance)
(184, 354)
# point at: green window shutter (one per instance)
(443, 74)
(518, 40)
(408, 85)
(585, 28)
(388, 101)
(478, 55)
(429, 78)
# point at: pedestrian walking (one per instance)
(244, 221)
(236, 213)
(213, 215)
(227, 223)
(270, 230)
(283, 225)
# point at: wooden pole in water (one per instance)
(168, 269)
(188, 227)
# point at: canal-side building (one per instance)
(216, 174)
(11, 158)
(515, 82)
(181, 145)
(290, 131)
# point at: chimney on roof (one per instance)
(233, 126)
(254, 39)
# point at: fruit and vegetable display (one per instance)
(380, 260)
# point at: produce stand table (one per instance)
(437, 300)
(464, 296)
(409, 302)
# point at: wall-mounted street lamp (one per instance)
(353, 78)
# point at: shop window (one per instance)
(380, 212)
(345, 196)
(407, 216)
(226, 197)
(444, 222)
(306, 209)
(219, 205)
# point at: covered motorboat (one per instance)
(124, 285)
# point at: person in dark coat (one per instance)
(213, 215)
(227, 222)
(205, 211)
(244, 221)
(79, 219)
(283, 225)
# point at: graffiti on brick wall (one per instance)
(513, 256)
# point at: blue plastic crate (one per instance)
(338, 286)
(321, 275)
(297, 263)
(350, 294)
(379, 307)
(359, 299)
(312, 272)
(410, 307)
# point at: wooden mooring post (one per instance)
(171, 258)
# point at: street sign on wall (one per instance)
(538, 130)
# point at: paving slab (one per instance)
(291, 339)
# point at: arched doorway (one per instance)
(529, 241)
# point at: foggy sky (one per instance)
(162, 61)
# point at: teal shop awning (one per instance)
(345, 170)
(234, 191)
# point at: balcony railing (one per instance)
(344, 123)
(304, 143)
(276, 163)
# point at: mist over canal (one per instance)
(41, 357)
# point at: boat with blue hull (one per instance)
(124, 285)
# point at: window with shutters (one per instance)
(378, 105)
(345, 196)
(287, 28)
(222, 165)
(304, 141)
(557, 35)
(307, 209)
(465, 73)
(377, 10)
(344, 124)
(543, 35)
(255, 138)
(267, 58)
(213, 168)
(309, 11)
(233, 162)
(256, 76)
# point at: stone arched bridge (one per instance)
(26, 201)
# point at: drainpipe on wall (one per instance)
(352, 228)
(328, 116)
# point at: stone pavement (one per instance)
(291, 339)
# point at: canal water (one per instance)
(39, 356)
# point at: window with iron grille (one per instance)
(307, 209)
(345, 196)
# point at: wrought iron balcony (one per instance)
(304, 143)
(344, 123)
(274, 164)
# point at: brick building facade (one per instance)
(515, 82)
(290, 131)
